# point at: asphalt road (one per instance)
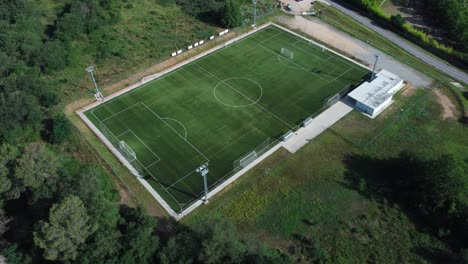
(404, 44)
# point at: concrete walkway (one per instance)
(319, 124)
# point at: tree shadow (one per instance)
(397, 181)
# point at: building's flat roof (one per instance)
(376, 92)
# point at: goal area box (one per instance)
(218, 108)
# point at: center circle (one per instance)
(238, 92)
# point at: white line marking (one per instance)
(104, 120)
(341, 74)
(180, 123)
(175, 131)
(118, 137)
(280, 58)
(288, 125)
(293, 63)
(311, 53)
(270, 38)
(237, 106)
(146, 146)
(185, 176)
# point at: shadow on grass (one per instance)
(394, 181)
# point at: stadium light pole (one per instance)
(255, 13)
(90, 69)
(375, 65)
(203, 170)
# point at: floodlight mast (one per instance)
(203, 170)
(90, 69)
(255, 13)
(375, 66)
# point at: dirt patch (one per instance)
(408, 90)
(448, 107)
(125, 198)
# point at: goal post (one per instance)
(333, 100)
(287, 53)
(248, 159)
(126, 151)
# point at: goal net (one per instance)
(333, 100)
(249, 158)
(126, 151)
(288, 54)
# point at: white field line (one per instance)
(270, 38)
(248, 98)
(311, 53)
(341, 74)
(322, 46)
(118, 137)
(152, 164)
(128, 129)
(156, 179)
(159, 159)
(302, 67)
(180, 123)
(185, 176)
(175, 131)
(104, 120)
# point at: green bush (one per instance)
(398, 20)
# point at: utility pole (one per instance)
(98, 94)
(203, 170)
(255, 14)
(375, 66)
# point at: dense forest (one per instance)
(59, 205)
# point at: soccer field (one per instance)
(220, 107)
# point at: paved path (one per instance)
(319, 124)
(406, 45)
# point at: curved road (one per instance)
(404, 44)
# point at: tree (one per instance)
(214, 240)
(398, 20)
(8, 188)
(60, 128)
(140, 241)
(37, 169)
(4, 224)
(52, 56)
(232, 16)
(445, 185)
(19, 115)
(220, 242)
(66, 231)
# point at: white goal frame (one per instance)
(286, 53)
(249, 158)
(127, 151)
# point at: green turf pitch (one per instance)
(220, 107)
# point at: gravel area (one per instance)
(349, 45)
